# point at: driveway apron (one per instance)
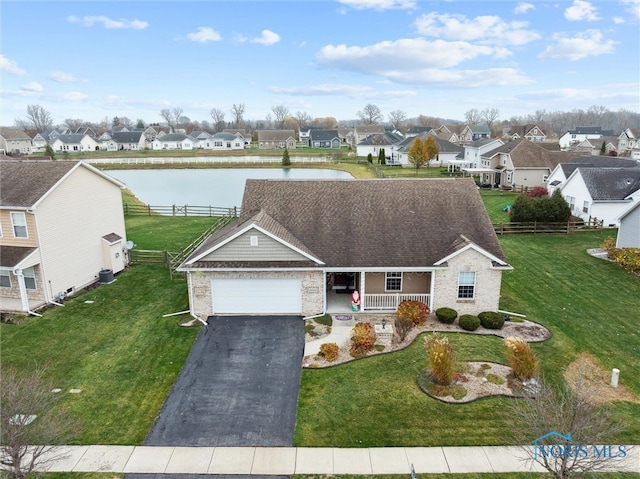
(238, 387)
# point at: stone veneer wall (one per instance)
(312, 288)
(34, 295)
(487, 291)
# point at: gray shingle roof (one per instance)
(174, 137)
(13, 134)
(323, 135)
(611, 183)
(71, 138)
(126, 136)
(369, 223)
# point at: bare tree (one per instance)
(217, 115)
(490, 115)
(28, 418)
(328, 122)
(237, 111)
(281, 113)
(472, 116)
(431, 121)
(166, 115)
(74, 123)
(558, 428)
(303, 118)
(172, 117)
(370, 114)
(397, 118)
(37, 119)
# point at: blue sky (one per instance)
(94, 60)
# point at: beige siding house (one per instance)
(14, 141)
(62, 225)
(428, 240)
(269, 139)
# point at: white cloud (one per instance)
(267, 38)
(108, 23)
(523, 7)
(204, 35)
(34, 87)
(588, 44)
(618, 20)
(581, 10)
(351, 91)
(633, 7)
(484, 29)
(9, 66)
(73, 96)
(62, 77)
(380, 5)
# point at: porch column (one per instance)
(23, 289)
(362, 290)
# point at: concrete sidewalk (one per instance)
(291, 460)
(340, 334)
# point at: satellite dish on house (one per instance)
(130, 245)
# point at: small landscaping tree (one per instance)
(370, 158)
(48, 151)
(381, 156)
(541, 208)
(363, 339)
(403, 325)
(415, 311)
(441, 358)
(418, 155)
(431, 148)
(286, 161)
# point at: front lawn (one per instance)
(589, 304)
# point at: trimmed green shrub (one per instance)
(416, 311)
(469, 322)
(329, 351)
(446, 315)
(325, 320)
(491, 320)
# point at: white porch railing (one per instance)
(390, 302)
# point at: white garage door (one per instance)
(257, 296)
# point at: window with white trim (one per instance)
(585, 206)
(393, 281)
(466, 284)
(19, 223)
(29, 278)
(5, 280)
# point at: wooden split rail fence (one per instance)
(179, 210)
(539, 227)
(173, 259)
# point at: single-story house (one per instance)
(173, 141)
(62, 223)
(429, 240)
(126, 141)
(74, 143)
(447, 152)
(602, 193)
(324, 139)
(268, 139)
(224, 141)
(376, 142)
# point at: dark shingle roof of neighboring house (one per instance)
(597, 162)
(224, 136)
(13, 134)
(127, 136)
(611, 183)
(522, 130)
(369, 129)
(526, 154)
(13, 255)
(323, 135)
(71, 138)
(481, 142)
(275, 135)
(386, 138)
(444, 146)
(199, 134)
(367, 223)
(590, 130)
(22, 183)
(173, 137)
(418, 130)
(480, 129)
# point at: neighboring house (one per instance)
(269, 139)
(85, 130)
(391, 239)
(471, 133)
(200, 139)
(126, 141)
(240, 133)
(74, 143)
(61, 224)
(474, 151)
(418, 130)
(450, 133)
(41, 140)
(376, 142)
(304, 131)
(563, 170)
(447, 151)
(173, 141)
(529, 132)
(518, 163)
(324, 139)
(361, 132)
(14, 141)
(581, 133)
(346, 135)
(225, 141)
(629, 229)
(602, 193)
(628, 140)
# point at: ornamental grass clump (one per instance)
(441, 358)
(523, 360)
(363, 339)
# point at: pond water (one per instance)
(219, 187)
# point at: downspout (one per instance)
(23, 292)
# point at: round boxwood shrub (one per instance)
(446, 315)
(469, 322)
(491, 320)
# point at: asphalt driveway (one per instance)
(238, 387)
